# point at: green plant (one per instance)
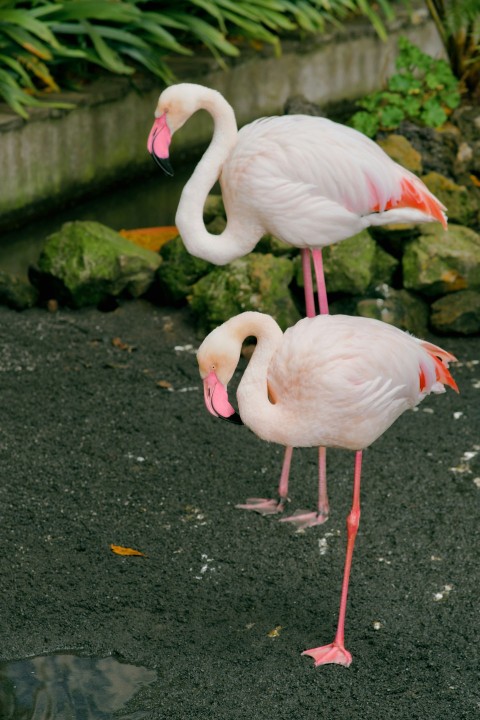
(41, 41)
(424, 89)
(458, 24)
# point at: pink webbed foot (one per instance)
(263, 506)
(332, 653)
(304, 519)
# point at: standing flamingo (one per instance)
(332, 380)
(306, 180)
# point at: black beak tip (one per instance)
(234, 418)
(163, 164)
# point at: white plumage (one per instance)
(307, 180)
(332, 381)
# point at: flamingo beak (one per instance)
(158, 143)
(216, 400)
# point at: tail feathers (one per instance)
(441, 359)
(414, 196)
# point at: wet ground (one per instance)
(104, 440)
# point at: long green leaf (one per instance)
(120, 12)
(22, 37)
(19, 69)
(110, 59)
(209, 35)
(23, 19)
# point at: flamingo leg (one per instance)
(308, 284)
(320, 278)
(301, 518)
(266, 506)
(336, 652)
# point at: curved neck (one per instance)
(255, 407)
(218, 249)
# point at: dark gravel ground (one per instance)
(94, 451)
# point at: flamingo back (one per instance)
(341, 381)
(311, 181)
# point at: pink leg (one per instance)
(271, 507)
(308, 284)
(320, 278)
(266, 506)
(303, 519)
(336, 652)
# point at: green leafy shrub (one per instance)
(424, 89)
(44, 41)
(458, 25)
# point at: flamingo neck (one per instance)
(255, 408)
(223, 248)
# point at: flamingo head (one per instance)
(217, 365)
(175, 105)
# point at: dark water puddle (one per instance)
(70, 687)
(146, 202)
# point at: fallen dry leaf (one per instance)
(120, 550)
(164, 384)
(118, 343)
(150, 238)
(275, 632)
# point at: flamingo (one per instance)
(331, 381)
(306, 180)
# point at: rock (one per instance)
(213, 208)
(457, 313)
(16, 293)
(462, 206)
(271, 244)
(354, 265)
(86, 262)
(440, 262)
(438, 149)
(402, 151)
(179, 271)
(299, 105)
(397, 307)
(255, 282)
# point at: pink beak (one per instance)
(158, 144)
(216, 400)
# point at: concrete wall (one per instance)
(59, 154)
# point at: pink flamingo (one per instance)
(306, 180)
(331, 380)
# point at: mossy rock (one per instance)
(462, 206)
(440, 261)
(255, 282)
(354, 265)
(86, 262)
(213, 208)
(179, 272)
(457, 313)
(402, 151)
(399, 308)
(16, 293)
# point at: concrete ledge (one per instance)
(60, 154)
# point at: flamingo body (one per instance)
(307, 180)
(332, 381)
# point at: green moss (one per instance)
(256, 282)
